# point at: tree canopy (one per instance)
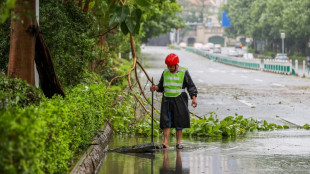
(265, 20)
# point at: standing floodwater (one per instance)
(284, 151)
(227, 90)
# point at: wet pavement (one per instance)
(227, 90)
(284, 151)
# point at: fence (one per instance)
(284, 67)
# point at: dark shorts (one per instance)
(177, 128)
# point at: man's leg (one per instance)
(179, 136)
(166, 136)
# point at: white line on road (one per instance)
(200, 80)
(277, 84)
(259, 80)
(246, 103)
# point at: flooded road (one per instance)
(227, 90)
(261, 152)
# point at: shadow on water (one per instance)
(262, 152)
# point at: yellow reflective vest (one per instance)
(173, 83)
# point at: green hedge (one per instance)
(15, 92)
(44, 138)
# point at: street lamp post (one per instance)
(282, 36)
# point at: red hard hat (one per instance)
(172, 59)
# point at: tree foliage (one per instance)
(5, 7)
(265, 20)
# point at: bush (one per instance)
(22, 145)
(71, 39)
(44, 138)
(299, 58)
(15, 92)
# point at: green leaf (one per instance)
(124, 28)
(138, 14)
(113, 19)
(143, 3)
(125, 12)
(131, 24)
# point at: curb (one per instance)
(91, 160)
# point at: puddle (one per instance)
(284, 151)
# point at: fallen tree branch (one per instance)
(135, 61)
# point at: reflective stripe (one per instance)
(174, 90)
(173, 84)
(173, 78)
(181, 69)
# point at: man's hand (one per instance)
(194, 102)
(154, 88)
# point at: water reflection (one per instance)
(167, 169)
(266, 152)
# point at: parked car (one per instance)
(183, 45)
(208, 46)
(218, 46)
(248, 56)
(238, 45)
(217, 50)
(233, 53)
(198, 45)
(282, 56)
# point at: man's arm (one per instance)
(191, 88)
(160, 86)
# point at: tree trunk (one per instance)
(22, 43)
(79, 3)
(86, 6)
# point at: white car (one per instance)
(183, 45)
(233, 53)
(198, 45)
(208, 46)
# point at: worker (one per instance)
(174, 111)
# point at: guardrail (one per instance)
(278, 66)
(284, 67)
(245, 63)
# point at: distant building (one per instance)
(203, 26)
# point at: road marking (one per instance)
(244, 76)
(246, 103)
(277, 84)
(200, 80)
(259, 80)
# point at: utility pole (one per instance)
(282, 36)
(36, 74)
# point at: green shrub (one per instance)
(71, 38)
(299, 58)
(44, 138)
(15, 92)
(21, 145)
